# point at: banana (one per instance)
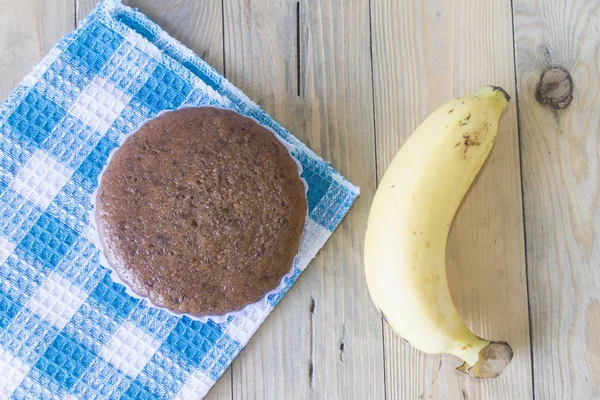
(408, 226)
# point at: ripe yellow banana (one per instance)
(408, 226)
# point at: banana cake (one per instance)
(201, 211)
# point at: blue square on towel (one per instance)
(163, 376)
(136, 391)
(112, 299)
(17, 215)
(80, 266)
(191, 340)
(93, 48)
(216, 362)
(65, 361)
(9, 307)
(47, 242)
(164, 90)
(86, 175)
(36, 117)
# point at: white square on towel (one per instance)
(129, 349)
(99, 105)
(56, 301)
(6, 249)
(40, 180)
(13, 372)
(196, 383)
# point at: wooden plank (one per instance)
(425, 53)
(561, 182)
(198, 25)
(324, 340)
(28, 30)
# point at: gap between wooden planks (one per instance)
(28, 30)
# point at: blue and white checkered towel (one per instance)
(66, 329)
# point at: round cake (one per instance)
(201, 211)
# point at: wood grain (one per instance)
(198, 25)
(28, 30)
(424, 53)
(561, 160)
(324, 340)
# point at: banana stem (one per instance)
(484, 359)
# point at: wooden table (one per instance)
(352, 79)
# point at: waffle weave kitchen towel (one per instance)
(66, 329)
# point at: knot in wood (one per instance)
(555, 88)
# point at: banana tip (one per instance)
(499, 89)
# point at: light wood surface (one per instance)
(28, 30)
(561, 185)
(352, 79)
